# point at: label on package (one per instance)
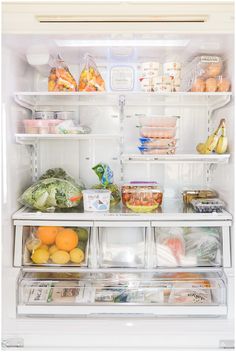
(210, 59)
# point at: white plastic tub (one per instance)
(96, 199)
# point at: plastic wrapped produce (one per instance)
(60, 78)
(55, 189)
(90, 78)
(204, 74)
(173, 240)
(105, 176)
(203, 244)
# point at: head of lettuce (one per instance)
(54, 189)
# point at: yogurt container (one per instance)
(150, 69)
(96, 199)
(162, 84)
(172, 69)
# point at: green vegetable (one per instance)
(115, 193)
(142, 208)
(51, 193)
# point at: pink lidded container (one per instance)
(52, 125)
(157, 151)
(158, 142)
(36, 126)
(157, 132)
(158, 121)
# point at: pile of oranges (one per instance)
(57, 244)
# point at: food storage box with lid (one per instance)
(141, 196)
(122, 78)
(96, 199)
(158, 142)
(44, 115)
(157, 132)
(196, 193)
(65, 115)
(208, 205)
(157, 151)
(158, 120)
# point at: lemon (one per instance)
(53, 249)
(40, 256)
(60, 257)
(44, 246)
(32, 244)
(76, 255)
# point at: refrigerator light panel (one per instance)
(122, 43)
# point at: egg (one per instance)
(213, 69)
(211, 85)
(223, 85)
(198, 86)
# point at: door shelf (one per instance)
(161, 294)
(212, 99)
(177, 158)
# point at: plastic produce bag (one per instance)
(204, 244)
(55, 189)
(90, 78)
(173, 241)
(105, 176)
(60, 78)
(68, 127)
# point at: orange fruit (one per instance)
(47, 234)
(66, 239)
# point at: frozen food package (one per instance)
(65, 292)
(190, 292)
(55, 189)
(90, 78)
(60, 79)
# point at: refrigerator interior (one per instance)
(115, 117)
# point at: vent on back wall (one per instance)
(122, 19)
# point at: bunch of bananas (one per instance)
(215, 142)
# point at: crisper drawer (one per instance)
(122, 244)
(133, 294)
(191, 244)
(52, 243)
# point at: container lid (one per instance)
(208, 202)
(96, 191)
(141, 186)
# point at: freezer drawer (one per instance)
(122, 244)
(52, 243)
(132, 294)
(191, 244)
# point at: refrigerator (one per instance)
(144, 279)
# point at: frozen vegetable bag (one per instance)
(55, 189)
(60, 78)
(90, 78)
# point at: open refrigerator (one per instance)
(126, 293)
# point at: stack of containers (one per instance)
(152, 79)
(158, 134)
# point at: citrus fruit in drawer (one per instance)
(40, 256)
(82, 233)
(53, 249)
(66, 239)
(47, 234)
(76, 255)
(60, 257)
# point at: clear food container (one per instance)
(122, 246)
(157, 132)
(208, 205)
(141, 196)
(55, 245)
(190, 194)
(44, 115)
(157, 151)
(96, 199)
(158, 120)
(65, 115)
(36, 126)
(158, 142)
(122, 78)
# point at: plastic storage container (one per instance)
(157, 151)
(150, 69)
(141, 196)
(157, 132)
(190, 194)
(122, 78)
(40, 126)
(208, 205)
(158, 142)
(158, 121)
(65, 115)
(96, 199)
(44, 115)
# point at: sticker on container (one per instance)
(122, 78)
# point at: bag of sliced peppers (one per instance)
(60, 78)
(90, 78)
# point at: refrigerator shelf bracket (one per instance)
(24, 103)
(14, 342)
(221, 101)
(121, 142)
